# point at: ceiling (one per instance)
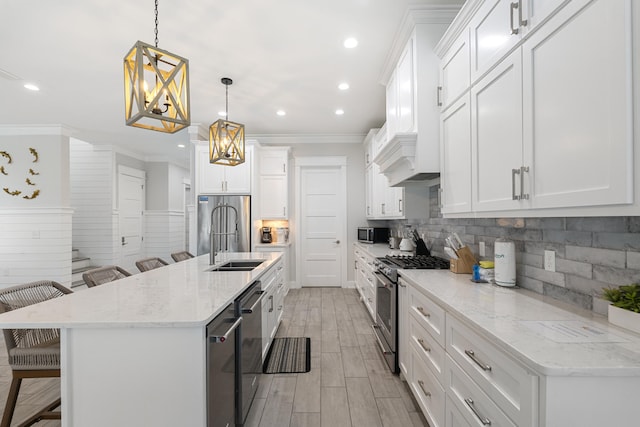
(281, 54)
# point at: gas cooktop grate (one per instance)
(424, 262)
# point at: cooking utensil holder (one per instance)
(464, 263)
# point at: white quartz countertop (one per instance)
(549, 336)
(552, 337)
(183, 294)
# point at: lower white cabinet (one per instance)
(365, 280)
(453, 416)
(426, 388)
(272, 305)
(403, 327)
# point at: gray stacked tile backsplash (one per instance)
(591, 252)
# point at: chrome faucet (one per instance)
(213, 234)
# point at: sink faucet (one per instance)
(222, 232)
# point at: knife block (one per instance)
(464, 263)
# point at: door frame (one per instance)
(311, 163)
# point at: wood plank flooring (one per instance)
(348, 385)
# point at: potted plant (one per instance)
(624, 309)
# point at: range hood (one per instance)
(403, 159)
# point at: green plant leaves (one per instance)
(625, 296)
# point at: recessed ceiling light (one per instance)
(222, 113)
(343, 86)
(31, 86)
(180, 145)
(339, 112)
(281, 113)
(350, 43)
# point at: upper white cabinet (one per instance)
(220, 179)
(551, 115)
(273, 197)
(455, 77)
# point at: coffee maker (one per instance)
(266, 235)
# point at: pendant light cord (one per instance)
(156, 23)
(226, 108)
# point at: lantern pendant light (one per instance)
(226, 139)
(156, 87)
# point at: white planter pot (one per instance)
(624, 318)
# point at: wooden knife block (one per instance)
(464, 263)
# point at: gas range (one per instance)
(390, 264)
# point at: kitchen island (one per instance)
(133, 351)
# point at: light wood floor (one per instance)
(349, 384)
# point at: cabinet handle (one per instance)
(421, 384)
(271, 309)
(472, 406)
(477, 361)
(424, 313)
(514, 6)
(222, 186)
(284, 168)
(523, 169)
(514, 172)
(523, 22)
(424, 347)
(438, 96)
(382, 207)
(400, 205)
(284, 211)
(222, 338)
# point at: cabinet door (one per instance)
(392, 106)
(273, 197)
(491, 35)
(210, 177)
(273, 162)
(405, 85)
(403, 328)
(455, 71)
(578, 106)
(535, 12)
(394, 202)
(496, 136)
(369, 192)
(238, 178)
(455, 157)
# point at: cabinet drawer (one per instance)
(428, 391)
(427, 347)
(504, 380)
(476, 407)
(454, 418)
(428, 314)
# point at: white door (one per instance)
(130, 206)
(322, 219)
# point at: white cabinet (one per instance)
(551, 109)
(285, 262)
(455, 66)
(273, 198)
(365, 280)
(405, 90)
(455, 157)
(272, 305)
(222, 179)
(403, 327)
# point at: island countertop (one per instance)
(184, 294)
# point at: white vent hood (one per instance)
(411, 149)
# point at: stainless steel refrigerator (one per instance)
(231, 216)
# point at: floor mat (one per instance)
(288, 356)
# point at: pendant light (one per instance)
(226, 139)
(156, 87)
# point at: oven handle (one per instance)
(384, 351)
(385, 281)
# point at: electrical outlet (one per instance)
(481, 249)
(550, 260)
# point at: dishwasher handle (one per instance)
(222, 338)
(255, 304)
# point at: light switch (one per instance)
(550, 260)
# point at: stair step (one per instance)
(80, 262)
(76, 273)
(78, 285)
(75, 253)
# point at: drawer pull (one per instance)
(424, 313)
(421, 384)
(424, 347)
(470, 404)
(473, 357)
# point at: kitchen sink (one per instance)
(238, 265)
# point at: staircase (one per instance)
(79, 264)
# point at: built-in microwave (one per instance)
(373, 234)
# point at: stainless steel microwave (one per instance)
(373, 234)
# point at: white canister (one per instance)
(505, 262)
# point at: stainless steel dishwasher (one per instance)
(221, 368)
(248, 349)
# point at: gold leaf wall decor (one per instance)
(28, 181)
(33, 195)
(7, 155)
(2, 171)
(12, 193)
(34, 153)
(32, 172)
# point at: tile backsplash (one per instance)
(591, 252)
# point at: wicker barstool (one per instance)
(106, 274)
(33, 353)
(181, 256)
(150, 263)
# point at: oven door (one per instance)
(386, 319)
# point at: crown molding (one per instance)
(36, 129)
